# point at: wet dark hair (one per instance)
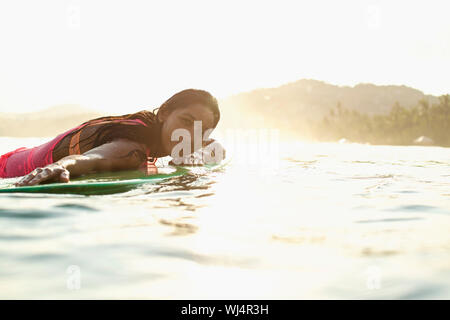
(189, 97)
(151, 134)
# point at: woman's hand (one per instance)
(54, 172)
(212, 152)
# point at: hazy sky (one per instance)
(123, 56)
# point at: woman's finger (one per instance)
(25, 179)
(64, 176)
(37, 178)
(44, 175)
(31, 175)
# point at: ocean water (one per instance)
(315, 221)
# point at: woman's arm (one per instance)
(120, 154)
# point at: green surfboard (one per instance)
(104, 183)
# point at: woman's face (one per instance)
(183, 118)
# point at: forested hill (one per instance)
(307, 100)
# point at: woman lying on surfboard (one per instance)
(112, 143)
